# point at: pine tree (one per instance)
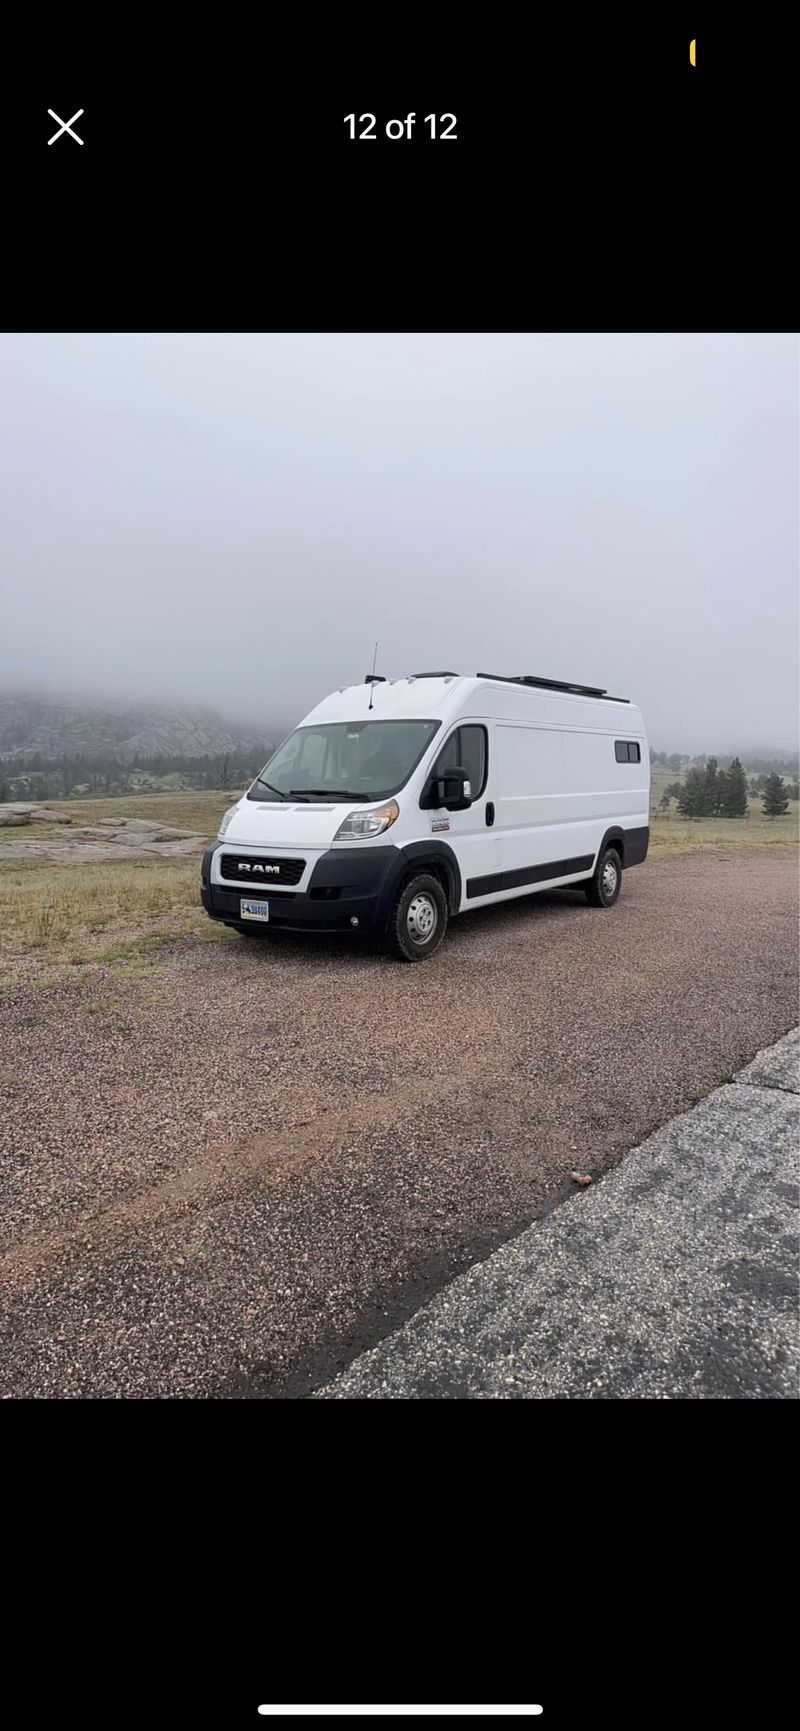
(664, 804)
(735, 802)
(693, 796)
(776, 799)
(711, 788)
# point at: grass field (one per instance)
(57, 915)
(60, 916)
(195, 810)
(67, 916)
(672, 836)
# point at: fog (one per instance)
(233, 520)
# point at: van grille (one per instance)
(257, 870)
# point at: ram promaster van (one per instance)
(400, 803)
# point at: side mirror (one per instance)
(452, 790)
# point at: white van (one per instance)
(399, 803)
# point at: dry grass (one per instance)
(62, 916)
(197, 811)
(58, 916)
(670, 837)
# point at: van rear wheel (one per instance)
(603, 889)
(418, 919)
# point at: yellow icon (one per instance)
(691, 51)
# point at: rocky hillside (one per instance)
(60, 727)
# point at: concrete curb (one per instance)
(673, 1278)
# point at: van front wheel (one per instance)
(603, 889)
(418, 920)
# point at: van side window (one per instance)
(627, 751)
(465, 749)
(473, 757)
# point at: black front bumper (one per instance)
(346, 885)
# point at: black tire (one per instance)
(418, 920)
(603, 888)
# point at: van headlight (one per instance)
(361, 825)
(226, 820)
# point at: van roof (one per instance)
(419, 695)
(413, 696)
(569, 686)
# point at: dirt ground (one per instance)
(227, 1176)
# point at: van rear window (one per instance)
(627, 751)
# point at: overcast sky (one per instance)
(235, 519)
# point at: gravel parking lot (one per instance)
(672, 1278)
(229, 1177)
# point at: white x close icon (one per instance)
(65, 126)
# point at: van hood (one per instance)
(286, 824)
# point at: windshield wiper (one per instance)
(260, 782)
(326, 793)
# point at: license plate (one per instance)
(253, 910)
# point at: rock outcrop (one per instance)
(108, 839)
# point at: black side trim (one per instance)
(636, 842)
(422, 853)
(559, 868)
(632, 844)
(616, 835)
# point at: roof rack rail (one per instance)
(443, 673)
(568, 686)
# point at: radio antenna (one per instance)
(372, 680)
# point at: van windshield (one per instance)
(344, 760)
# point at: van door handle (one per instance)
(489, 813)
